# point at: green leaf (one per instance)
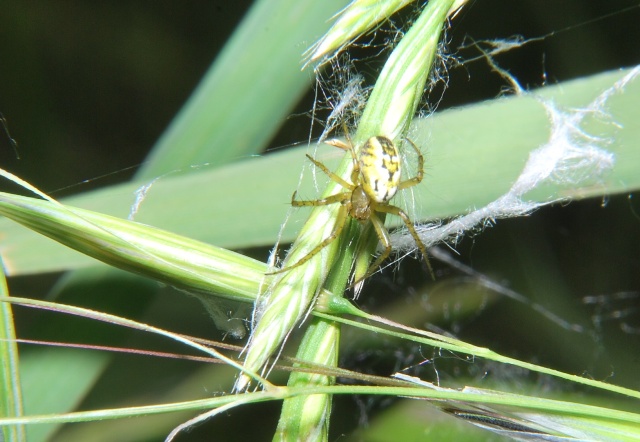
(248, 92)
(473, 155)
(179, 261)
(11, 397)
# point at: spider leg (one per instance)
(418, 178)
(339, 144)
(330, 174)
(341, 219)
(388, 208)
(337, 198)
(348, 146)
(385, 240)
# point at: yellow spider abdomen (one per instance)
(380, 168)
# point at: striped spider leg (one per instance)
(375, 179)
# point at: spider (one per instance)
(375, 179)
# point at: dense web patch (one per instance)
(569, 157)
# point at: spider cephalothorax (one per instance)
(375, 179)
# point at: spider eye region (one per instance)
(380, 168)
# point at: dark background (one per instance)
(88, 88)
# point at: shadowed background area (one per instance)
(87, 89)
